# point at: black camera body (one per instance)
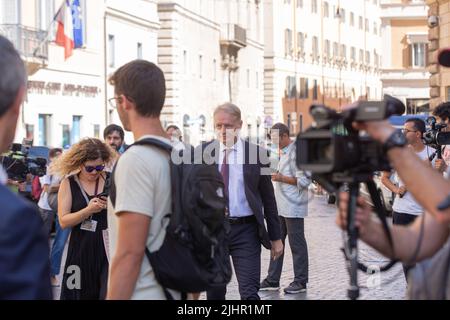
(334, 152)
(22, 160)
(434, 136)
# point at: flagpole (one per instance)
(48, 29)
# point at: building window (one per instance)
(76, 129)
(288, 42)
(184, 62)
(287, 1)
(343, 51)
(315, 48)
(327, 49)
(215, 70)
(301, 42)
(45, 129)
(375, 28)
(361, 56)
(139, 50)
(304, 89)
(341, 13)
(200, 66)
(376, 61)
(45, 12)
(353, 54)
(10, 12)
(352, 19)
(97, 131)
(257, 80)
(29, 129)
(335, 50)
(367, 25)
(65, 135)
(314, 6)
(326, 9)
(291, 89)
(367, 58)
(315, 91)
(360, 23)
(111, 51)
(419, 52)
(299, 3)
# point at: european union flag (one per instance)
(77, 17)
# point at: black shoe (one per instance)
(295, 287)
(269, 286)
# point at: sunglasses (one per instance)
(96, 168)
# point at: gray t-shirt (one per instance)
(142, 179)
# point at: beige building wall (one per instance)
(439, 36)
(401, 54)
(405, 42)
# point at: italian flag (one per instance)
(64, 34)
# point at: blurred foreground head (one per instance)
(12, 90)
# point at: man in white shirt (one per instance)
(291, 193)
(405, 207)
(138, 218)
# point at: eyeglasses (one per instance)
(405, 131)
(90, 169)
(112, 102)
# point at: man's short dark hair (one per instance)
(53, 152)
(12, 75)
(143, 83)
(282, 129)
(442, 111)
(112, 128)
(172, 126)
(419, 124)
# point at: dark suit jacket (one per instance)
(24, 251)
(258, 187)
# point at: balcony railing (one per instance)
(232, 33)
(30, 43)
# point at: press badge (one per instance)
(89, 225)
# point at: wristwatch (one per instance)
(396, 140)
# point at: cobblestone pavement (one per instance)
(328, 277)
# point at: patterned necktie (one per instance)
(225, 170)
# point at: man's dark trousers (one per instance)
(245, 250)
(293, 228)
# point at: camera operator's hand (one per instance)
(440, 165)
(96, 205)
(363, 214)
(378, 130)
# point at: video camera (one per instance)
(335, 152)
(435, 137)
(23, 159)
(339, 155)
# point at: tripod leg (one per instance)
(352, 232)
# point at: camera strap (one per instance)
(85, 196)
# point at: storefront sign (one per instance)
(65, 89)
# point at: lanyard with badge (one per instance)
(89, 224)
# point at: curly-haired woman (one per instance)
(82, 208)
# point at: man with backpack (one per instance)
(141, 176)
(165, 217)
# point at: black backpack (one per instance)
(194, 256)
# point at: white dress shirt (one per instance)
(238, 204)
(3, 176)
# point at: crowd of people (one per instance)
(108, 239)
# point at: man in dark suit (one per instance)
(24, 252)
(245, 170)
